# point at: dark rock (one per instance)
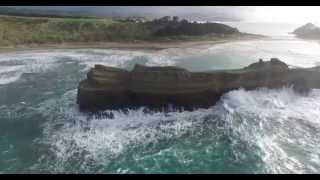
(160, 88)
(273, 64)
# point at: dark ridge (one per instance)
(160, 88)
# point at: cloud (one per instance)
(205, 11)
(246, 13)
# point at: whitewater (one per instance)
(259, 131)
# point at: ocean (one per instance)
(259, 131)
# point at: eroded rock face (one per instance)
(160, 88)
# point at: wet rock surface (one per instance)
(160, 88)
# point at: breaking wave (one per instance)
(280, 128)
(260, 131)
(205, 57)
(13, 65)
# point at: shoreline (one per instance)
(122, 45)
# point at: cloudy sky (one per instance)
(296, 14)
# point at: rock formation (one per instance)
(308, 31)
(160, 88)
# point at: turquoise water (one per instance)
(261, 131)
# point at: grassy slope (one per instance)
(16, 30)
(38, 30)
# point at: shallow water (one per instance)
(261, 131)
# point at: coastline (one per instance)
(145, 45)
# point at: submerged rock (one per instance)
(160, 88)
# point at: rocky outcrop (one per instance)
(160, 88)
(308, 31)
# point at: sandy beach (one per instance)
(120, 45)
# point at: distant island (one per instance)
(19, 31)
(308, 31)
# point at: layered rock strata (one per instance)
(160, 88)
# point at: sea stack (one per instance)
(160, 88)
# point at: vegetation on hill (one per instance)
(168, 26)
(43, 30)
(43, 13)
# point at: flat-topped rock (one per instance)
(162, 87)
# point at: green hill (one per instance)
(17, 30)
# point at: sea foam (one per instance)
(284, 127)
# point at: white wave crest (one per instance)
(104, 138)
(283, 124)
